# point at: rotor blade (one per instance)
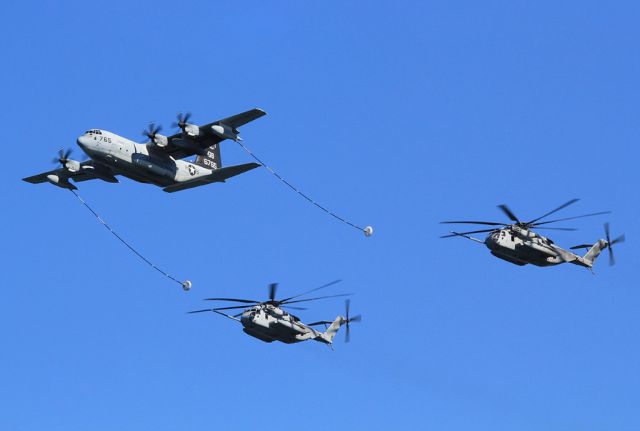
(244, 301)
(347, 304)
(505, 209)
(488, 223)
(607, 232)
(612, 259)
(575, 247)
(315, 299)
(229, 308)
(312, 290)
(356, 318)
(67, 153)
(572, 201)
(621, 238)
(557, 228)
(294, 308)
(238, 314)
(321, 322)
(466, 233)
(200, 311)
(347, 333)
(272, 291)
(571, 218)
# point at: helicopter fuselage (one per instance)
(520, 247)
(270, 323)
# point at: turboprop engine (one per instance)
(153, 135)
(190, 130)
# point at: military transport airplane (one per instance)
(158, 161)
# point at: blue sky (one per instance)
(397, 115)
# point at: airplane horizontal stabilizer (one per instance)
(218, 176)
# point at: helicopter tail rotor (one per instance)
(348, 320)
(621, 238)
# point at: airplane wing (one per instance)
(180, 145)
(218, 176)
(87, 171)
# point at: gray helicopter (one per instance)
(269, 321)
(517, 243)
(157, 161)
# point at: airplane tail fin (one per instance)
(211, 158)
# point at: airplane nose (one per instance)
(83, 141)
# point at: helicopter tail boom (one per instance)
(595, 251)
(332, 330)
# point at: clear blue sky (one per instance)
(395, 114)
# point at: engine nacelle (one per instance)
(225, 132)
(72, 166)
(160, 141)
(59, 181)
(192, 130)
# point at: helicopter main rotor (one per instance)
(517, 223)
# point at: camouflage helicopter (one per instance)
(517, 243)
(269, 320)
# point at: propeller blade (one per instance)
(505, 209)
(312, 290)
(566, 204)
(245, 301)
(488, 223)
(571, 218)
(315, 299)
(272, 291)
(467, 233)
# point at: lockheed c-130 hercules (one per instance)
(517, 242)
(269, 321)
(158, 161)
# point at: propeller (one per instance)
(151, 131)
(621, 238)
(63, 157)
(183, 120)
(348, 320)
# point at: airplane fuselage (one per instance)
(137, 161)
